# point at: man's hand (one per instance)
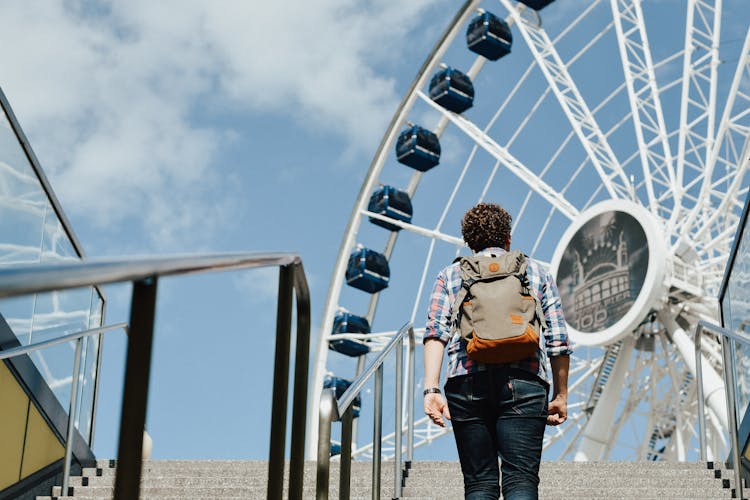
(558, 410)
(436, 407)
(558, 407)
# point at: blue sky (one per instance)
(188, 126)
(208, 127)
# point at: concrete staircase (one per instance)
(176, 479)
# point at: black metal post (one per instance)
(280, 384)
(328, 410)
(345, 475)
(299, 403)
(135, 392)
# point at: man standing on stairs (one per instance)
(498, 409)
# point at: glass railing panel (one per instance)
(22, 208)
(736, 315)
(56, 247)
(17, 312)
(57, 314)
(31, 232)
(89, 362)
(22, 203)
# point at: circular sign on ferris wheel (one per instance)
(610, 268)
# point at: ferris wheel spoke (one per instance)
(548, 90)
(522, 80)
(733, 129)
(607, 134)
(562, 433)
(573, 105)
(510, 162)
(729, 199)
(422, 281)
(720, 242)
(699, 83)
(429, 233)
(546, 168)
(646, 109)
(425, 432)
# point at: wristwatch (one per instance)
(432, 390)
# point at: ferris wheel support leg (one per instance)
(717, 439)
(713, 386)
(595, 439)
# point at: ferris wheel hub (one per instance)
(611, 268)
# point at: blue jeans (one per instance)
(498, 413)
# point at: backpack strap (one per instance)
(461, 296)
(466, 283)
(523, 276)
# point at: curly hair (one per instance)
(486, 225)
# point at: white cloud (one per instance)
(258, 285)
(110, 91)
(261, 285)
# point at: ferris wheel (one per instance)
(616, 134)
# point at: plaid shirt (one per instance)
(554, 341)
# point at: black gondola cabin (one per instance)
(418, 148)
(392, 203)
(346, 322)
(489, 36)
(367, 270)
(452, 89)
(537, 4)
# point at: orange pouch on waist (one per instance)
(505, 350)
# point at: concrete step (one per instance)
(627, 493)
(572, 489)
(443, 493)
(259, 469)
(230, 479)
(704, 478)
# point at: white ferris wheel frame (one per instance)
(664, 174)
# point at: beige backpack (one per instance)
(497, 314)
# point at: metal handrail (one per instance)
(331, 408)
(728, 340)
(144, 272)
(49, 277)
(78, 337)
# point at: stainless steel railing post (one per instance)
(330, 409)
(345, 475)
(71, 418)
(701, 396)
(377, 433)
(399, 422)
(410, 402)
